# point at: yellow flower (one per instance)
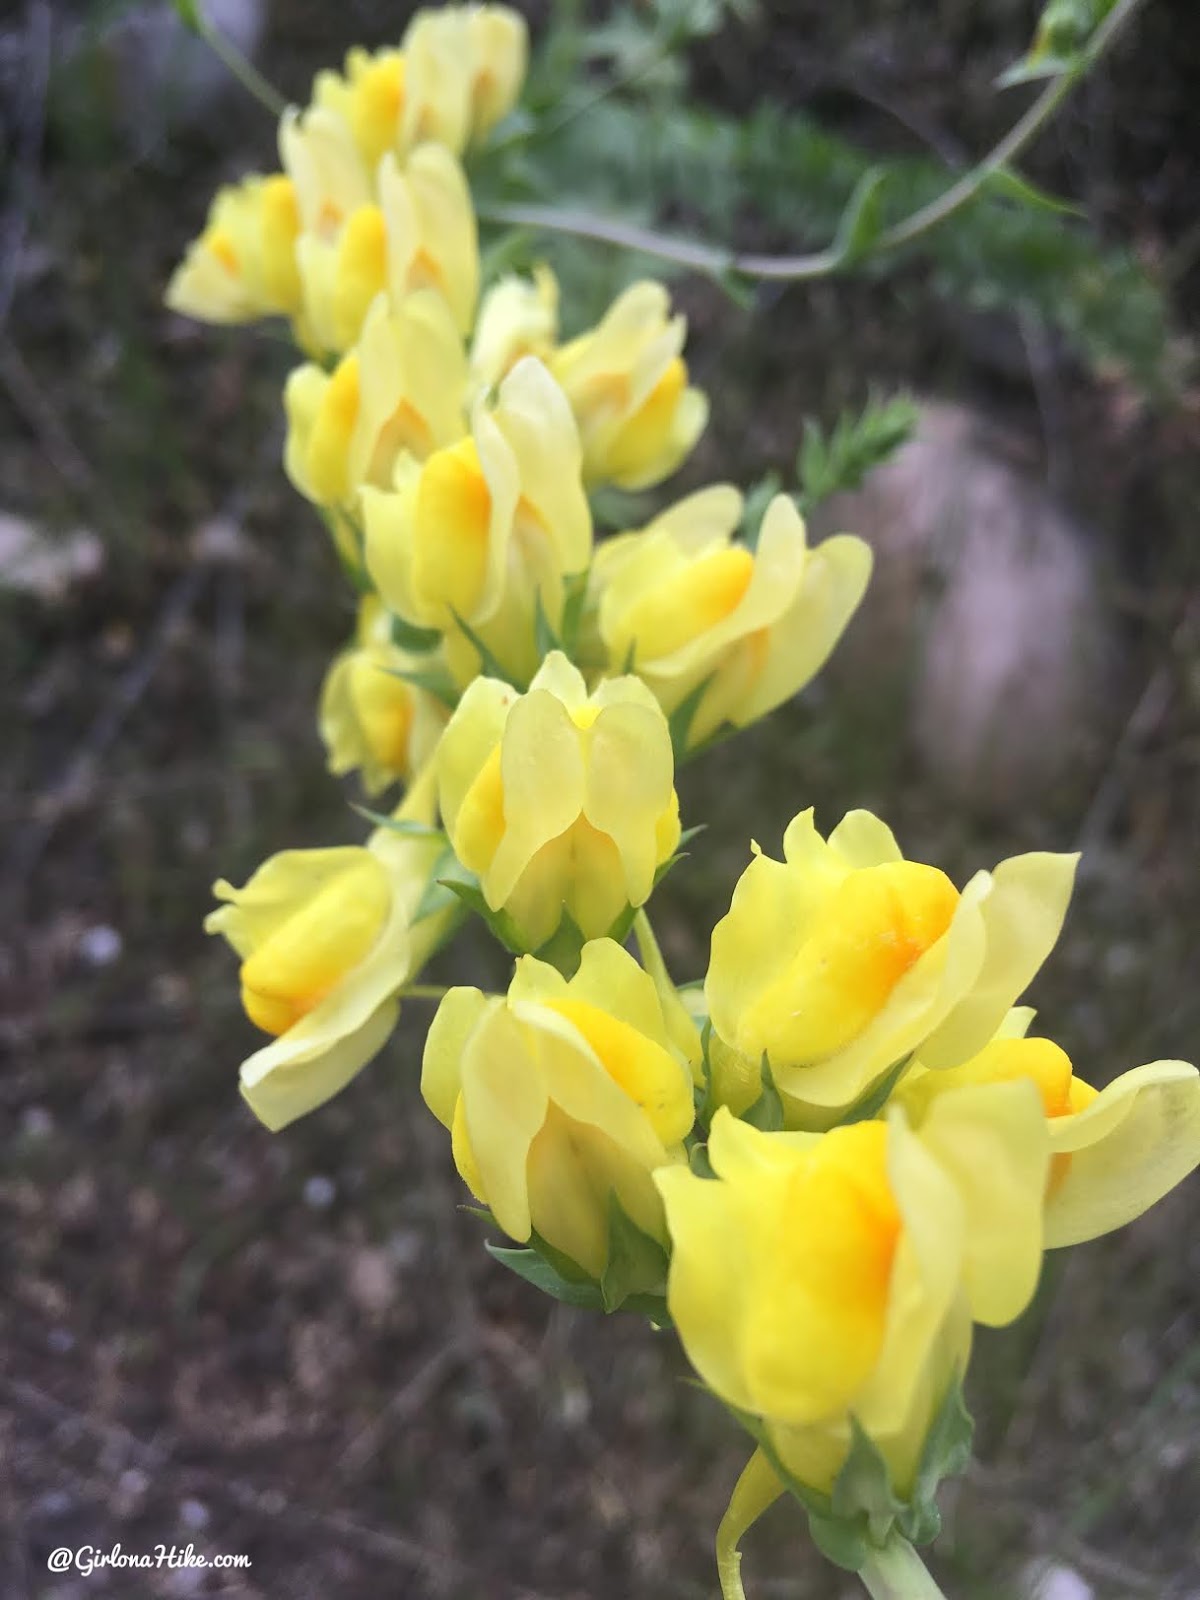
(371, 719)
(518, 318)
(560, 801)
(330, 178)
(499, 42)
(243, 266)
(370, 97)
(399, 391)
(432, 241)
(1115, 1152)
(688, 606)
(819, 1278)
(486, 525)
(327, 941)
(844, 958)
(342, 277)
(628, 387)
(559, 1096)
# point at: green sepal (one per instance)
(544, 637)
(844, 1543)
(466, 888)
(406, 825)
(436, 682)
(766, 1113)
(407, 636)
(862, 1491)
(620, 509)
(946, 1452)
(575, 588)
(535, 1269)
(698, 1162)
(620, 929)
(636, 1265)
(869, 1105)
(681, 719)
(704, 1105)
(862, 220)
(1010, 185)
(490, 665)
(564, 947)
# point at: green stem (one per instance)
(246, 73)
(756, 1490)
(719, 262)
(424, 991)
(896, 1572)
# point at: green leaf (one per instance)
(407, 636)
(857, 445)
(437, 897)
(406, 825)
(528, 1264)
(758, 498)
(1012, 186)
(636, 1265)
(766, 1113)
(862, 221)
(870, 1104)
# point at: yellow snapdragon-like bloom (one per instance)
(432, 240)
(518, 317)
(372, 720)
(560, 801)
(330, 178)
(327, 941)
(687, 606)
(486, 525)
(399, 391)
(243, 266)
(458, 72)
(628, 387)
(559, 1096)
(1115, 1151)
(824, 1276)
(842, 959)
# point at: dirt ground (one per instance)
(294, 1347)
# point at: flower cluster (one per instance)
(830, 1161)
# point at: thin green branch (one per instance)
(719, 262)
(246, 73)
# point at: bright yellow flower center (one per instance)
(330, 440)
(872, 928)
(361, 268)
(220, 244)
(297, 965)
(452, 528)
(649, 1075)
(701, 596)
(831, 1244)
(376, 105)
(646, 433)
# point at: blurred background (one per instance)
(294, 1347)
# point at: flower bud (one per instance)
(559, 1096)
(690, 608)
(370, 718)
(628, 387)
(841, 960)
(560, 801)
